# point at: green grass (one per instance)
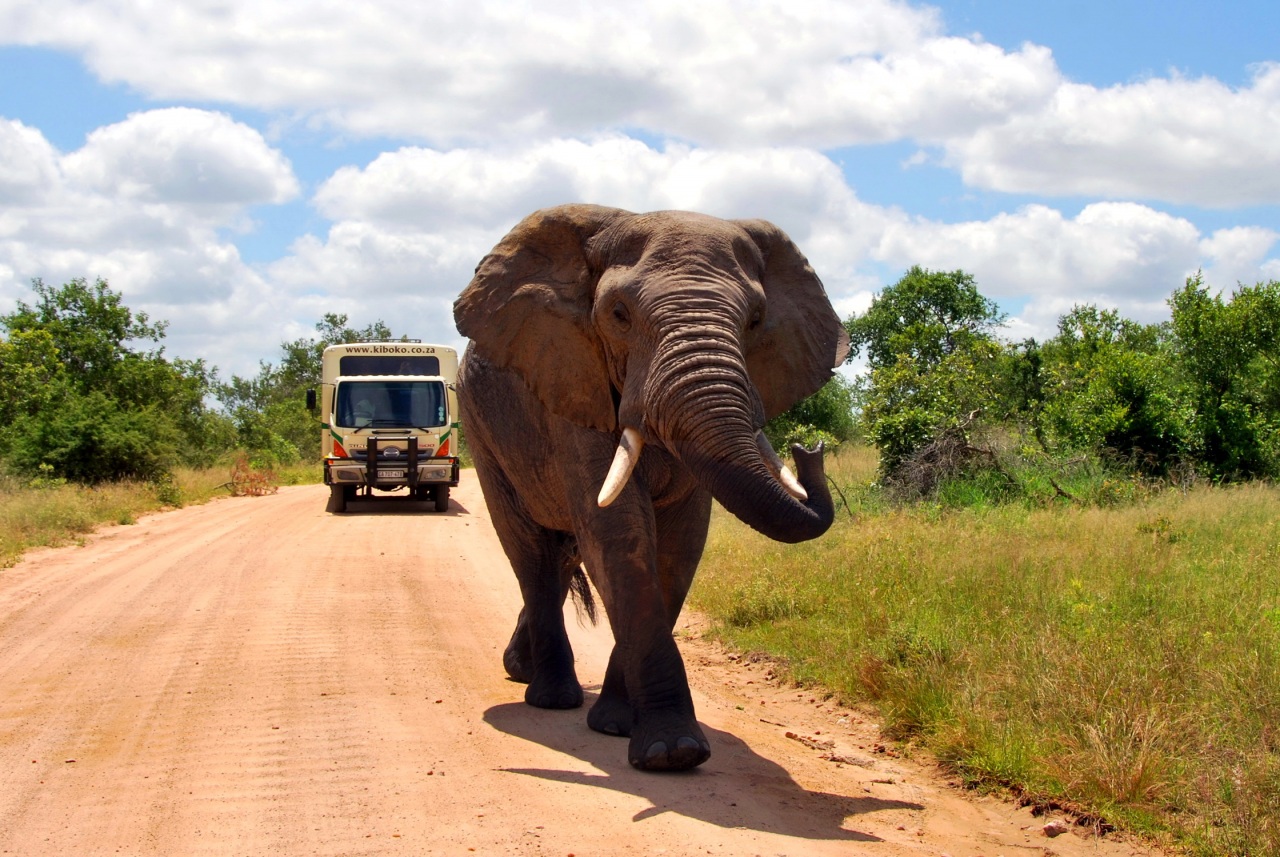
(51, 512)
(1121, 657)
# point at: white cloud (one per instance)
(1119, 255)
(817, 73)
(408, 228)
(805, 73)
(1239, 255)
(28, 164)
(182, 156)
(1183, 141)
(411, 225)
(416, 211)
(551, 102)
(143, 204)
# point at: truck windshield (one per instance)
(390, 404)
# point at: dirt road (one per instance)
(256, 677)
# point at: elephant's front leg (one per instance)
(665, 735)
(680, 535)
(646, 691)
(518, 657)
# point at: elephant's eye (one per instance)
(757, 318)
(622, 315)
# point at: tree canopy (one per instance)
(269, 409)
(925, 316)
(87, 394)
(1200, 391)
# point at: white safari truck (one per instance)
(389, 416)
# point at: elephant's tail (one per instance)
(583, 598)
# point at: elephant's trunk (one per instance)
(705, 411)
(744, 485)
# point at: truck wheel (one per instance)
(338, 496)
(442, 498)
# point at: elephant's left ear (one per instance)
(792, 354)
(528, 309)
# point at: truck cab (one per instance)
(389, 414)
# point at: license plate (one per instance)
(390, 474)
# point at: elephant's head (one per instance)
(669, 328)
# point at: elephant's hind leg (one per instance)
(517, 660)
(548, 664)
(538, 652)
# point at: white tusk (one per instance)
(779, 470)
(624, 461)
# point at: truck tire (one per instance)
(442, 498)
(338, 496)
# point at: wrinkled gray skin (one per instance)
(691, 330)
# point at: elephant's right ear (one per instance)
(528, 309)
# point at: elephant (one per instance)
(620, 369)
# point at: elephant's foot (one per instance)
(674, 743)
(611, 715)
(517, 660)
(564, 692)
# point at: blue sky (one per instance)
(239, 169)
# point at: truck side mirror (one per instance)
(311, 400)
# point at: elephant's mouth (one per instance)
(631, 445)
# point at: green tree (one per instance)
(930, 345)
(269, 409)
(31, 376)
(91, 437)
(89, 326)
(926, 316)
(1229, 353)
(80, 399)
(908, 406)
(825, 416)
(1108, 385)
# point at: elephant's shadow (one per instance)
(739, 788)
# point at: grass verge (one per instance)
(1120, 659)
(52, 512)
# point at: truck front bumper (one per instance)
(385, 474)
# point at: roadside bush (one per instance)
(93, 439)
(910, 407)
(826, 416)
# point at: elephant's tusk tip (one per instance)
(624, 461)
(793, 486)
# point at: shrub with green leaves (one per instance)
(826, 417)
(1229, 353)
(92, 438)
(78, 401)
(931, 350)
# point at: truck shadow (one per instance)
(736, 788)
(393, 505)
